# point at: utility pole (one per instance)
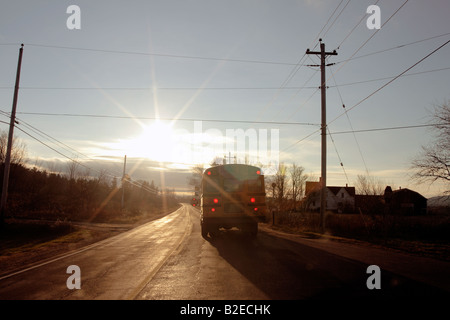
(10, 140)
(123, 180)
(323, 190)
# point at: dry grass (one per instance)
(25, 241)
(424, 235)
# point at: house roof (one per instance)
(335, 190)
(312, 186)
(405, 191)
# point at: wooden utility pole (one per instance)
(10, 140)
(323, 190)
(123, 181)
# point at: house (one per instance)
(398, 202)
(406, 202)
(339, 199)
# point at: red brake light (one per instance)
(216, 200)
(256, 209)
(213, 209)
(208, 173)
(252, 200)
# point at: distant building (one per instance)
(339, 198)
(407, 202)
(343, 199)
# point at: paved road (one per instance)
(168, 259)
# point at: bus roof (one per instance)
(236, 170)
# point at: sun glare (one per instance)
(156, 142)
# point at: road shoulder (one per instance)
(424, 269)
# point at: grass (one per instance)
(423, 235)
(26, 241)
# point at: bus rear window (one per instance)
(232, 185)
(211, 185)
(255, 185)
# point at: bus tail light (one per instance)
(210, 201)
(252, 201)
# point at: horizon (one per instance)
(192, 75)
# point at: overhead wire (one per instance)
(334, 21)
(316, 131)
(392, 128)
(370, 95)
(368, 39)
(72, 159)
(294, 73)
(350, 123)
(243, 88)
(296, 68)
(337, 153)
(161, 54)
(163, 118)
(393, 48)
(351, 31)
(392, 80)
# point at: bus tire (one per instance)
(205, 231)
(252, 230)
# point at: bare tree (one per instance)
(196, 178)
(72, 169)
(433, 163)
(281, 185)
(18, 150)
(369, 185)
(298, 179)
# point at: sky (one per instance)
(225, 79)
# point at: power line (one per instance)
(326, 23)
(393, 48)
(337, 153)
(159, 88)
(223, 88)
(370, 95)
(392, 80)
(373, 34)
(350, 123)
(391, 128)
(334, 21)
(392, 77)
(296, 68)
(298, 91)
(129, 180)
(162, 118)
(351, 31)
(161, 55)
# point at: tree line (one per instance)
(75, 195)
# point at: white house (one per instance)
(339, 199)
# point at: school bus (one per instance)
(232, 195)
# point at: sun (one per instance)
(155, 142)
